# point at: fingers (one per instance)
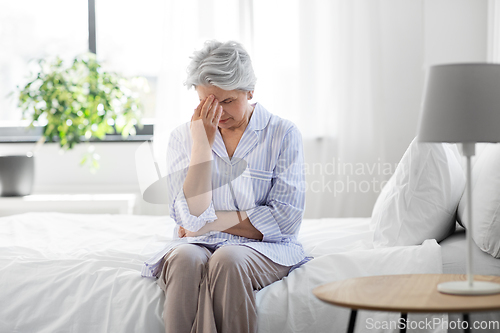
(181, 232)
(209, 108)
(205, 105)
(217, 116)
(211, 111)
(197, 111)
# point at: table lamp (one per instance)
(462, 105)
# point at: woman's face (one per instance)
(236, 109)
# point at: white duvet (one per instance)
(81, 273)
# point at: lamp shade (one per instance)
(461, 104)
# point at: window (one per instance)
(129, 41)
(128, 35)
(31, 29)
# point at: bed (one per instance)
(81, 273)
(453, 253)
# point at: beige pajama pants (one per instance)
(209, 292)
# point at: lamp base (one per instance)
(463, 288)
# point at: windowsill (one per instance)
(109, 138)
(18, 134)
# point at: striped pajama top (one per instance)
(264, 177)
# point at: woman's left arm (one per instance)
(244, 228)
(281, 216)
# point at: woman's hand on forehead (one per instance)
(205, 120)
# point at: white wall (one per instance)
(419, 34)
(455, 31)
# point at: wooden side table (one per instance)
(405, 293)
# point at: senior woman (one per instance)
(236, 187)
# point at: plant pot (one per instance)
(16, 175)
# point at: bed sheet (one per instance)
(81, 273)
(454, 248)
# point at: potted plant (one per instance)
(75, 103)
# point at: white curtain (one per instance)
(318, 63)
(340, 51)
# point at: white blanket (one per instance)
(342, 249)
(81, 273)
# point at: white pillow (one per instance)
(485, 201)
(420, 200)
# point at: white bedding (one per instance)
(81, 273)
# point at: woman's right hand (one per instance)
(181, 232)
(205, 121)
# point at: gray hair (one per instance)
(224, 65)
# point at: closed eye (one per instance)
(227, 101)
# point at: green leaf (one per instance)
(60, 92)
